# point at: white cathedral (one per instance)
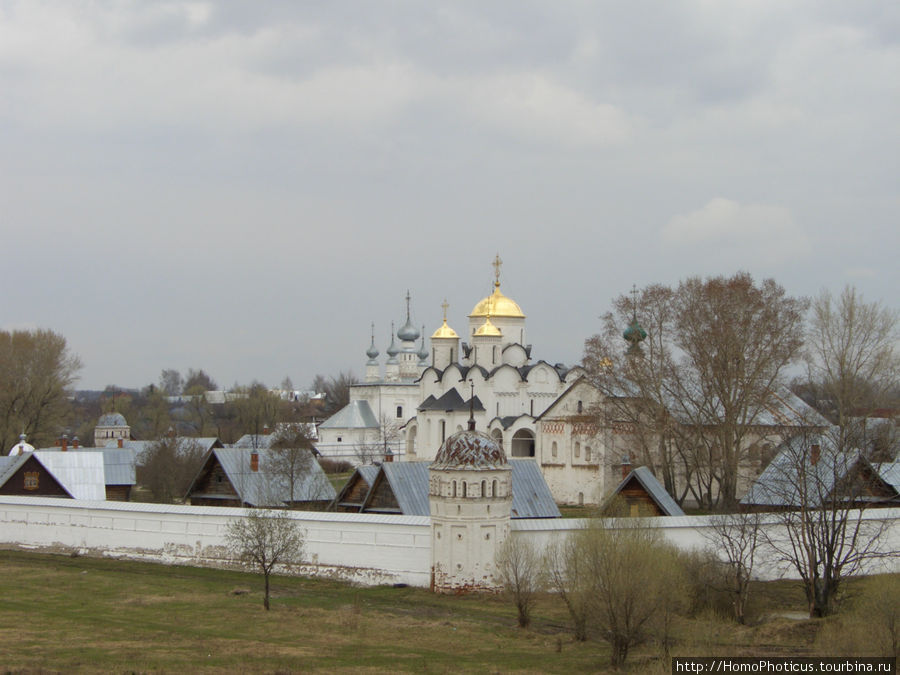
(531, 408)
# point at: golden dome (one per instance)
(444, 332)
(497, 304)
(487, 328)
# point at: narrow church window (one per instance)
(577, 449)
(587, 453)
(494, 488)
(483, 488)
(465, 484)
(494, 355)
(553, 449)
(454, 489)
(444, 432)
(399, 412)
(580, 406)
(498, 409)
(532, 407)
(580, 499)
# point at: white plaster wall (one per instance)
(364, 548)
(691, 532)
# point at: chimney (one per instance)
(388, 456)
(814, 453)
(121, 443)
(254, 461)
(75, 443)
(65, 443)
(626, 466)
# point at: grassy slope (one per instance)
(82, 615)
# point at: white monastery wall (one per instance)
(365, 548)
(691, 532)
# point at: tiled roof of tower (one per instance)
(471, 450)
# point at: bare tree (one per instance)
(822, 493)
(852, 358)
(824, 482)
(624, 580)
(735, 538)
(265, 540)
(336, 390)
(566, 564)
(167, 467)
(519, 568)
(718, 348)
(256, 410)
(198, 380)
(171, 382)
(291, 457)
(37, 371)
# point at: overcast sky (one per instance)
(244, 187)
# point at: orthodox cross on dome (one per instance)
(407, 304)
(497, 264)
(634, 294)
(444, 306)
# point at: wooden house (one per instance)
(640, 494)
(244, 477)
(812, 472)
(68, 475)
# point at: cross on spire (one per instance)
(634, 295)
(497, 264)
(444, 306)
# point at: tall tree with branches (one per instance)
(265, 540)
(717, 349)
(37, 371)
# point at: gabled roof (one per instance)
(266, 487)
(450, 401)
(559, 399)
(792, 478)
(531, 494)
(80, 474)
(409, 483)
(260, 440)
(355, 415)
(890, 473)
(782, 408)
(654, 490)
(365, 473)
(118, 464)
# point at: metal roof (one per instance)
(266, 487)
(890, 473)
(451, 400)
(79, 473)
(531, 497)
(409, 483)
(793, 479)
(112, 420)
(653, 488)
(368, 473)
(355, 415)
(118, 464)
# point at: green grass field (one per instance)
(63, 614)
